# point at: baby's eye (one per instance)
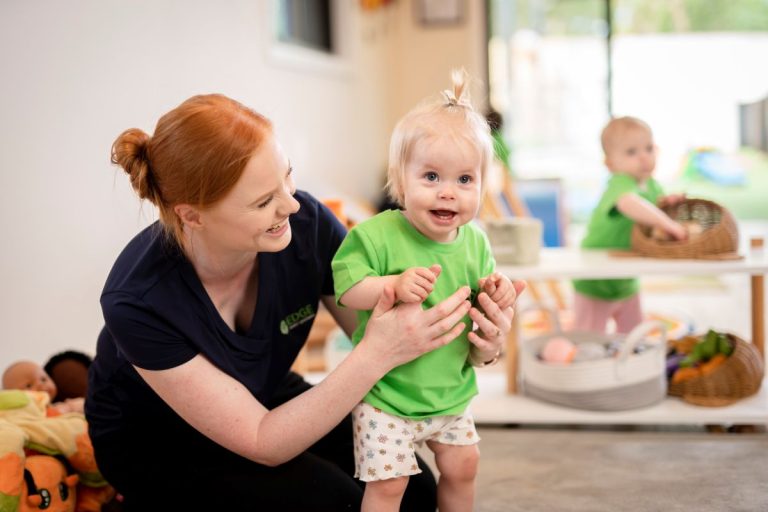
(465, 179)
(431, 176)
(631, 152)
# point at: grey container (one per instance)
(627, 381)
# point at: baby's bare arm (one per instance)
(646, 213)
(364, 294)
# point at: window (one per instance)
(305, 23)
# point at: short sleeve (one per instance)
(354, 261)
(142, 336)
(618, 185)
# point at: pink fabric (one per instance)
(591, 314)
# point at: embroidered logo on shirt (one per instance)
(295, 319)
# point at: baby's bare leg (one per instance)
(458, 469)
(384, 495)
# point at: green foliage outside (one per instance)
(587, 17)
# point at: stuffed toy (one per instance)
(25, 427)
(47, 485)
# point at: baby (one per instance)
(26, 375)
(631, 196)
(439, 154)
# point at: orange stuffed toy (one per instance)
(47, 486)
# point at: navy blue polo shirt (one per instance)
(158, 316)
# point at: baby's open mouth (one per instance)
(443, 214)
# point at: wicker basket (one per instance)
(719, 238)
(738, 377)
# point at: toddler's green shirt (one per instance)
(609, 229)
(441, 382)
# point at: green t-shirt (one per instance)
(441, 382)
(609, 229)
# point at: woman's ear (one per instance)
(189, 215)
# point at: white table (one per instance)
(569, 263)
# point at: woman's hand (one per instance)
(398, 334)
(492, 327)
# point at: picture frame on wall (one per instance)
(439, 12)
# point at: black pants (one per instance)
(319, 479)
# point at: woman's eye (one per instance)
(431, 176)
(265, 203)
(465, 179)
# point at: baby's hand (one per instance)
(415, 284)
(70, 405)
(678, 231)
(670, 200)
(499, 288)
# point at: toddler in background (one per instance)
(438, 158)
(631, 196)
(29, 376)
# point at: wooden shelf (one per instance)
(494, 406)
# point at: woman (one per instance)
(191, 401)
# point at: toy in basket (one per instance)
(714, 370)
(712, 233)
(627, 380)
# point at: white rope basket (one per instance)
(627, 381)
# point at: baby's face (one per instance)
(442, 185)
(632, 152)
(28, 376)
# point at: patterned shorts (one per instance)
(385, 444)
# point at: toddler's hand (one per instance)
(415, 284)
(678, 231)
(500, 289)
(670, 200)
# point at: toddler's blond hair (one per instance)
(428, 119)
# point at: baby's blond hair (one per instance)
(424, 120)
(617, 126)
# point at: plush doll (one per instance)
(24, 426)
(47, 486)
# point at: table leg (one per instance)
(511, 355)
(758, 312)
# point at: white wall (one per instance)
(78, 72)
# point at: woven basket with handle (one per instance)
(738, 377)
(719, 237)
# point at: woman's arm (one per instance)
(224, 410)
(346, 318)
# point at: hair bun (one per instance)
(129, 151)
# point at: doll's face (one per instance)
(27, 375)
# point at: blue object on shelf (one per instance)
(544, 199)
